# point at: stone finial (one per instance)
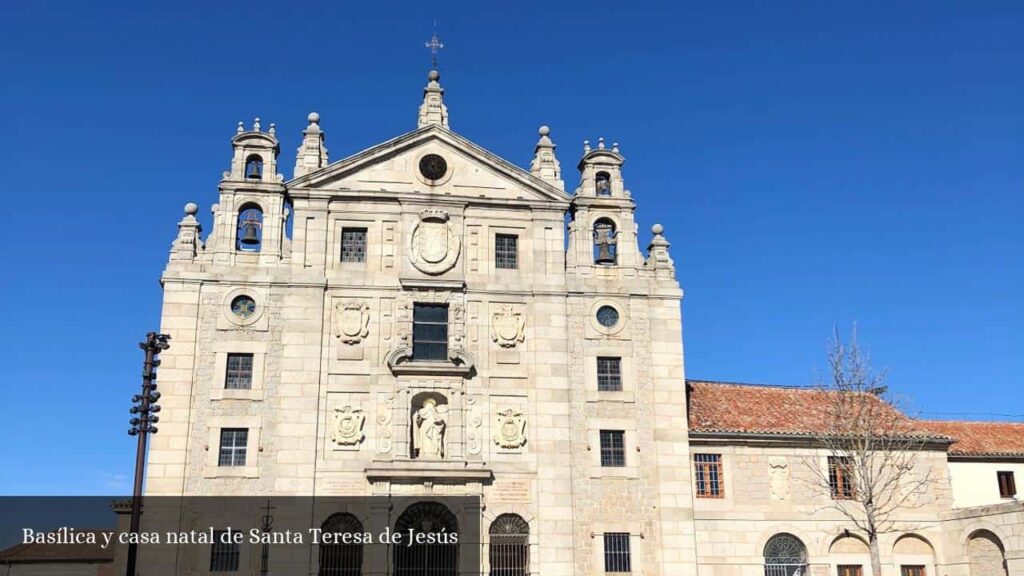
(586, 146)
(658, 258)
(615, 147)
(273, 128)
(312, 154)
(241, 127)
(600, 142)
(188, 243)
(256, 125)
(433, 110)
(545, 164)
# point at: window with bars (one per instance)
(510, 546)
(430, 332)
(849, 570)
(609, 374)
(616, 552)
(239, 373)
(841, 478)
(506, 251)
(613, 448)
(708, 475)
(917, 570)
(223, 555)
(353, 244)
(1007, 485)
(233, 442)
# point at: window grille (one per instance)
(506, 251)
(232, 446)
(239, 374)
(339, 559)
(223, 556)
(613, 448)
(609, 374)
(353, 245)
(785, 555)
(616, 552)
(510, 546)
(430, 332)
(708, 475)
(840, 478)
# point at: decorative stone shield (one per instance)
(434, 244)
(507, 326)
(348, 426)
(351, 321)
(510, 429)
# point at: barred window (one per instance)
(708, 474)
(239, 375)
(340, 559)
(506, 251)
(849, 570)
(616, 552)
(613, 448)
(353, 244)
(609, 374)
(1007, 485)
(915, 570)
(510, 546)
(430, 332)
(232, 446)
(841, 477)
(223, 556)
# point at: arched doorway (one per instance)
(785, 555)
(341, 559)
(510, 546)
(986, 554)
(426, 559)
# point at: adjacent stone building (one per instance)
(426, 319)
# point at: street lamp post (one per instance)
(144, 409)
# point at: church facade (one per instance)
(425, 319)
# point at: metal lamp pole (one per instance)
(144, 408)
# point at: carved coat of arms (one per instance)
(510, 429)
(434, 244)
(348, 426)
(507, 325)
(351, 321)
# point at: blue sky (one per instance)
(813, 163)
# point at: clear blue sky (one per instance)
(814, 163)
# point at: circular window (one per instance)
(607, 316)
(243, 306)
(433, 167)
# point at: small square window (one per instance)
(609, 374)
(506, 251)
(353, 244)
(233, 443)
(430, 332)
(1007, 484)
(841, 478)
(708, 475)
(239, 373)
(616, 553)
(613, 448)
(223, 555)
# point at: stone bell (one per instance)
(604, 240)
(250, 228)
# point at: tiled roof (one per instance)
(982, 438)
(25, 553)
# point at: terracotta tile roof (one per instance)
(981, 438)
(26, 553)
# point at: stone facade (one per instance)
(317, 283)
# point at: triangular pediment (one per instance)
(394, 166)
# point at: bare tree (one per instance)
(873, 448)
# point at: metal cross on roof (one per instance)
(435, 46)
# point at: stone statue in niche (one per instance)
(507, 326)
(510, 429)
(348, 426)
(429, 426)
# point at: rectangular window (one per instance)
(223, 556)
(708, 473)
(609, 374)
(840, 478)
(239, 375)
(506, 251)
(353, 244)
(912, 571)
(613, 448)
(430, 332)
(616, 552)
(233, 443)
(1007, 485)
(849, 570)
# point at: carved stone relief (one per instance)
(347, 426)
(385, 412)
(507, 326)
(510, 429)
(351, 321)
(779, 478)
(474, 419)
(434, 244)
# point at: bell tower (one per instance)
(602, 234)
(249, 221)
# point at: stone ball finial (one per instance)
(191, 209)
(434, 75)
(313, 117)
(241, 127)
(544, 130)
(657, 229)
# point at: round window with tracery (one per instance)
(433, 167)
(243, 307)
(607, 316)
